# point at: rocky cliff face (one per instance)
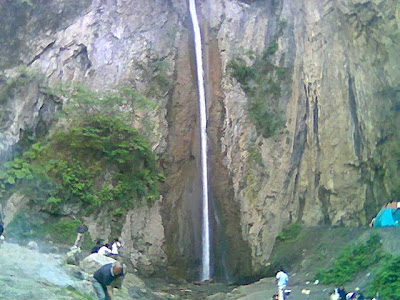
(333, 161)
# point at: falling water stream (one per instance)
(203, 136)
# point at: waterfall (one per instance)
(203, 136)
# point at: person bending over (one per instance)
(107, 277)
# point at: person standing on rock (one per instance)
(80, 231)
(115, 247)
(105, 279)
(1, 227)
(1, 231)
(282, 279)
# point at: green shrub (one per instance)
(351, 260)
(255, 155)
(67, 168)
(291, 232)
(242, 73)
(387, 279)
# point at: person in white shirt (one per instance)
(105, 250)
(282, 279)
(115, 247)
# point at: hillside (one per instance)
(313, 249)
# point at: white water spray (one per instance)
(203, 136)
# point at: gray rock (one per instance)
(93, 262)
(33, 246)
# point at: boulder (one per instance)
(33, 246)
(73, 257)
(93, 262)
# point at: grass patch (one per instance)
(291, 232)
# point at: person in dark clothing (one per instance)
(80, 231)
(341, 292)
(105, 278)
(96, 248)
(1, 231)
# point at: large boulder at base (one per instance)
(93, 262)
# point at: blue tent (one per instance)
(387, 217)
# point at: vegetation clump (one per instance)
(362, 256)
(386, 280)
(351, 260)
(98, 160)
(291, 232)
(261, 80)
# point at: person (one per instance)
(115, 247)
(106, 278)
(351, 296)
(1, 231)
(359, 295)
(104, 250)
(372, 223)
(275, 297)
(96, 248)
(335, 295)
(341, 292)
(80, 230)
(1, 227)
(282, 279)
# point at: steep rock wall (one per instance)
(331, 163)
(321, 167)
(99, 44)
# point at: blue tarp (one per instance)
(387, 217)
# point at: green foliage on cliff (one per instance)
(160, 81)
(158, 75)
(261, 80)
(71, 167)
(291, 232)
(351, 260)
(99, 160)
(386, 280)
(120, 101)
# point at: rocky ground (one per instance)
(30, 274)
